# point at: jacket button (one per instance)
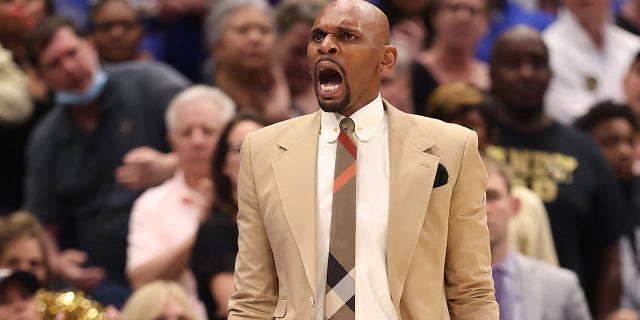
(313, 302)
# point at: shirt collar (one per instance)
(366, 120)
(508, 265)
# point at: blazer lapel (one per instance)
(530, 290)
(412, 173)
(295, 172)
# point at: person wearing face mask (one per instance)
(75, 171)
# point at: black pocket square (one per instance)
(442, 176)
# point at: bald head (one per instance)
(520, 34)
(520, 71)
(348, 52)
(371, 18)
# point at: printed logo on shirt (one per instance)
(541, 171)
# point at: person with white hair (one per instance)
(241, 36)
(164, 220)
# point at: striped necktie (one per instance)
(340, 297)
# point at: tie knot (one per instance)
(347, 124)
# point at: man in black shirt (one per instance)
(562, 165)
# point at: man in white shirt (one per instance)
(589, 56)
(421, 246)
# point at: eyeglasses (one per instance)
(457, 7)
(107, 26)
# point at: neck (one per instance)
(17, 49)
(499, 252)
(595, 29)
(243, 87)
(522, 121)
(192, 177)
(452, 58)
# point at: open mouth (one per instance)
(329, 78)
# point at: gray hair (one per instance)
(217, 17)
(220, 100)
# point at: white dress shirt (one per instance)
(583, 73)
(373, 298)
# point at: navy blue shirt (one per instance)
(70, 177)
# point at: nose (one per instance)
(328, 45)
(198, 137)
(526, 70)
(626, 150)
(68, 64)
(117, 30)
(255, 34)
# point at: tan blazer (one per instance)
(438, 257)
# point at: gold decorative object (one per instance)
(75, 305)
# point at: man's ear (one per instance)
(516, 203)
(389, 58)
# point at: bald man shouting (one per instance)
(360, 211)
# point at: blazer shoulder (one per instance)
(284, 127)
(546, 273)
(438, 130)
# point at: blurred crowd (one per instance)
(121, 123)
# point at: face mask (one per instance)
(95, 89)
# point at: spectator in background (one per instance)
(628, 18)
(561, 164)
(615, 129)
(410, 22)
(16, 106)
(116, 31)
(241, 36)
(396, 86)
(294, 19)
(18, 17)
(157, 300)
(466, 105)
(164, 220)
(458, 25)
(525, 288)
(589, 56)
(100, 116)
(632, 95)
(22, 246)
(214, 252)
(26, 96)
(17, 291)
(505, 14)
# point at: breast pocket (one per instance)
(281, 308)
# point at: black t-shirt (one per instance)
(569, 173)
(214, 252)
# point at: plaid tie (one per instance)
(340, 297)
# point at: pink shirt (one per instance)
(164, 217)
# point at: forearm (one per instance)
(222, 287)
(169, 265)
(607, 286)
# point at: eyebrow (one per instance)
(339, 30)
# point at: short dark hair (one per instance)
(42, 33)
(98, 4)
(604, 111)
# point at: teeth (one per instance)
(328, 88)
